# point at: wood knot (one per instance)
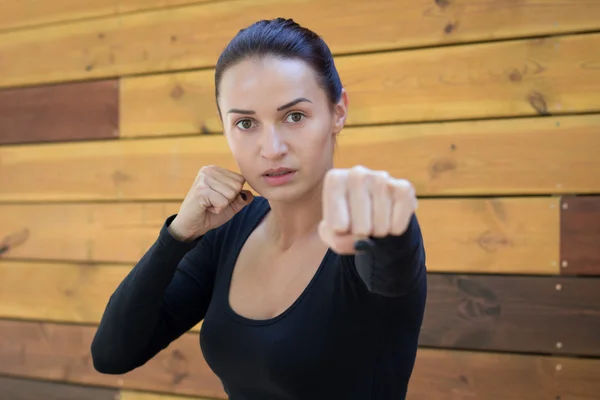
(477, 301)
(491, 242)
(515, 76)
(101, 35)
(450, 27)
(441, 166)
(177, 92)
(120, 177)
(538, 102)
(177, 366)
(442, 3)
(173, 38)
(13, 240)
(89, 67)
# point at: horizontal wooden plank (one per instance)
(550, 155)
(166, 40)
(580, 235)
(115, 232)
(517, 78)
(29, 389)
(501, 235)
(559, 315)
(527, 314)
(460, 375)
(57, 292)
(133, 395)
(61, 352)
(513, 313)
(29, 13)
(70, 111)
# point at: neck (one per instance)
(291, 222)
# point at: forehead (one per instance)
(267, 83)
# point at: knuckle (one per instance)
(403, 187)
(334, 176)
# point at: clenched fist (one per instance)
(359, 203)
(214, 198)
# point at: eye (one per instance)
(244, 124)
(295, 117)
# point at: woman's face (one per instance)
(276, 116)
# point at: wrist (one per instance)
(178, 233)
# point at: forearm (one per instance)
(132, 319)
(391, 265)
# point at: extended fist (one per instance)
(358, 203)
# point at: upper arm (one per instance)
(187, 296)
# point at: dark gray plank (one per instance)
(580, 235)
(541, 314)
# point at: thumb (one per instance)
(343, 244)
(244, 198)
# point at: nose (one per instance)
(274, 146)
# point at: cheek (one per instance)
(317, 150)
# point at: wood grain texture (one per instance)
(550, 155)
(552, 315)
(57, 292)
(192, 37)
(114, 232)
(64, 112)
(29, 13)
(28, 389)
(517, 78)
(131, 395)
(580, 235)
(62, 353)
(460, 375)
(503, 235)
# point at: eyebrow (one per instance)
(283, 107)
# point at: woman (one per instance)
(313, 290)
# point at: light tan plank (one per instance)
(193, 37)
(116, 232)
(506, 236)
(57, 292)
(510, 235)
(131, 395)
(520, 78)
(523, 156)
(28, 13)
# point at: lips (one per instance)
(278, 172)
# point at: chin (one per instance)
(287, 193)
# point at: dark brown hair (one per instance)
(282, 38)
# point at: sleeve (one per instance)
(394, 265)
(165, 294)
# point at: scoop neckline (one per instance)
(268, 321)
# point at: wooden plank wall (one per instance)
(492, 109)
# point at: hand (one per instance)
(359, 203)
(214, 198)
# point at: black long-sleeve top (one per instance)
(351, 334)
